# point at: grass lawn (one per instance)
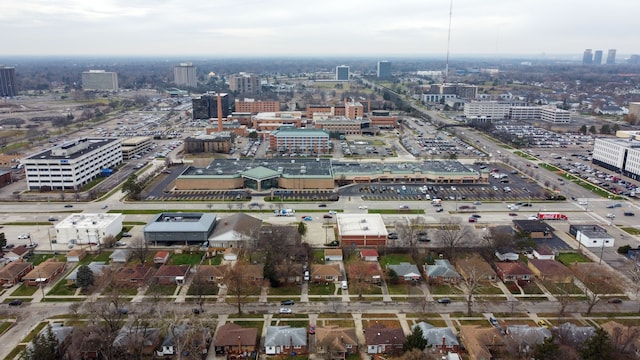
(216, 260)
(4, 326)
(489, 290)
(122, 291)
(102, 256)
(318, 256)
(562, 288)
(532, 289)
(444, 290)
(371, 290)
(39, 258)
(285, 291)
(400, 289)
(63, 289)
(24, 290)
(206, 289)
(395, 259)
(162, 290)
(186, 259)
(569, 258)
(631, 230)
(321, 289)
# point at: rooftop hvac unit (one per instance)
(365, 228)
(303, 171)
(363, 220)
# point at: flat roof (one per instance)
(86, 220)
(287, 167)
(361, 225)
(180, 222)
(434, 167)
(72, 149)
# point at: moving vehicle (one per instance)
(439, 209)
(552, 216)
(629, 213)
(543, 323)
(68, 206)
(307, 218)
(285, 311)
(615, 205)
(436, 201)
(363, 207)
(126, 234)
(322, 205)
(53, 218)
(327, 216)
(444, 301)
(284, 212)
(494, 321)
(287, 302)
(24, 236)
(615, 301)
(15, 302)
(611, 216)
(472, 219)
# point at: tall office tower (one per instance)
(384, 69)
(342, 73)
(597, 57)
(634, 59)
(7, 81)
(587, 57)
(206, 106)
(185, 75)
(244, 83)
(611, 57)
(100, 80)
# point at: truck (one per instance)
(284, 212)
(436, 202)
(551, 216)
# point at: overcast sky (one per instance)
(316, 27)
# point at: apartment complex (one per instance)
(100, 80)
(71, 165)
(611, 57)
(184, 74)
(300, 141)
(619, 155)
(206, 106)
(252, 106)
(8, 86)
(244, 83)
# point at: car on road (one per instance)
(513, 214)
(477, 203)
(476, 216)
(583, 203)
(105, 206)
(9, 246)
(15, 302)
(629, 213)
(53, 218)
(32, 246)
(615, 205)
(285, 311)
(24, 236)
(615, 301)
(472, 219)
(439, 209)
(392, 236)
(120, 243)
(307, 218)
(327, 216)
(444, 301)
(333, 212)
(403, 207)
(363, 207)
(68, 206)
(494, 321)
(287, 302)
(322, 205)
(195, 311)
(611, 216)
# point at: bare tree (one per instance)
(562, 292)
(239, 286)
(139, 250)
(470, 284)
(452, 233)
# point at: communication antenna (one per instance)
(446, 68)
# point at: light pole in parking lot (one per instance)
(528, 195)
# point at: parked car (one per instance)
(392, 236)
(307, 218)
(53, 218)
(629, 213)
(126, 234)
(444, 301)
(543, 323)
(476, 216)
(285, 311)
(24, 236)
(439, 209)
(332, 212)
(327, 216)
(287, 302)
(494, 321)
(611, 216)
(15, 302)
(614, 301)
(472, 219)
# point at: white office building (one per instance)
(71, 165)
(135, 147)
(185, 75)
(491, 110)
(85, 229)
(618, 155)
(100, 80)
(545, 113)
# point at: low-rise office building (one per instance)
(135, 146)
(84, 229)
(188, 228)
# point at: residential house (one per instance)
(62, 335)
(285, 340)
(235, 339)
(336, 342)
(364, 271)
(535, 229)
(253, 272)
(442, 272)
(182, 335)
(570, 333)
(97, 268)
(369, 255)
(75, 255)
(290, 272)
(161, 257)
(212, 273)
(507, 254)
(514, 272)
(326, 273)
(18, 253)
(171, 274)
(550, 270)
(406, 271)
(137, 340)
(231, 254)
(623, 337)
(133, 276)
(14, 272)
(440, 338)
(482, 343)
(543, 253)
(475, 266)
(44, 273)
(382, 340)
(234, 231)
(527, 337)
(333, 254)
(120, 256)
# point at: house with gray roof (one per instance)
(285, 340)
(440, 338)
(96, 267)
(442, 272)
(406, 271)
(120, 255)
(235, 230)
(188, 228)
(527, 337)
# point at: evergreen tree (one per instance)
(302, 228)
(415, 341)
(548, 350)
(85, 277)
(45, 347)
(132, 187)
(598, 347)
(3, 240)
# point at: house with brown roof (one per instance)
(172, 274)
(333, 254)
(253, 272)
(336, 342)
(474, 265)
(513, 272)
(133, 276)
(18, 253)
(382, 340)
(14, 272)
(326, 273)
(543, 253)
(235, 339)
(369, 255)
(364, 271)
(482, 343)
(550, 270)
(212, 273)
(44, 273)
(161, 257)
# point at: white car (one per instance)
(362, 207)
(24, 236)
(332, 212)
(285, 311)
(611, 216)
(583, 203)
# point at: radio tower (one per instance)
(446, 68)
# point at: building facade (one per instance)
(611, 57)
(300, 141)
(206, 106)
(618, 155)
(252, 106)
(342, 73)
(244, 83)
(85, 229)
(135, 146)
(8, 86)
(184, 74)
(384, 70)
(100, 80)
(71, 165)
(492, 110)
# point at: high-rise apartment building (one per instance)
(185, 75)
(587, 57)
(384, 69)
(611, 57)
(206, 106)
(100, 80)
(8, 82)
(597, 57)
(244, 83)
(342, 73)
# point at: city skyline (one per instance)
(284, 28)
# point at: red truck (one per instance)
(552, 216)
